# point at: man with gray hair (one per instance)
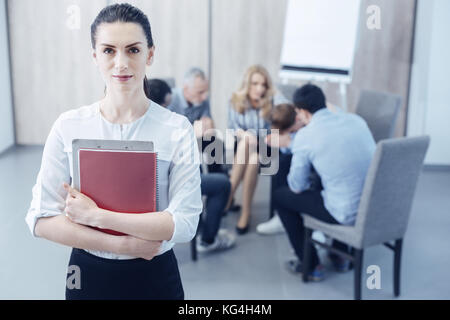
(192, 101)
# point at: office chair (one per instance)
(383, 211)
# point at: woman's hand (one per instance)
(80, 208)
(139, 248)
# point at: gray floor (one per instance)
(36, 269)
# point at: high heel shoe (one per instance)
(234, 207)
(244, 230)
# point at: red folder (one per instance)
(120, 181)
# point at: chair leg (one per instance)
(358, 264)
(194, 240)
(306, 254)
(272, 208)
(397, 265)
(194, 248)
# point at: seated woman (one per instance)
(249, 111)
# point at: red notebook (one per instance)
(120, 181)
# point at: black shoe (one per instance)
(294, 266)
(234, 207)
(340, 264)
(241, 231)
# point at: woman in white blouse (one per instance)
(248, 113)
(142, 264)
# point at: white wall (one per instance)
(429, 107)
(6, 116)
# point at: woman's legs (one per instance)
(238, 169)
(249, 186)
(245, 168)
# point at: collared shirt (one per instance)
(340, 147)
(251, 119)
(287, 150)
(192, 112)
(178, 165)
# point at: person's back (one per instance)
(340, 147)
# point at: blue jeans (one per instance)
(216, 187)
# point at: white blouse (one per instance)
(178, 165)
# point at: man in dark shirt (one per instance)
(192, 101)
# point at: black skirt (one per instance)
(109, 279)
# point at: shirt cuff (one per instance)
(184, 230)
(31, 220)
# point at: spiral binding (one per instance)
(157, 184)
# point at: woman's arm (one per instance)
(61, 230)
(177, 223)
(80, 209)
(233, 115)
(148, 226)
(45, 218)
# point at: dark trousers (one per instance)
(216, 187)
(214, 167)
(137, 279)
(280, 178)
(289, 205)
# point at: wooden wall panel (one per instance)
(180, 33)
(248, 32)
(383, 60)
(52, 68)
(243, 33)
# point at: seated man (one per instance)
(285, 119)
(159, 92)
(215, 186)
(192, 101)
(340, 147)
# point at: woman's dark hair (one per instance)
(123, 12)
(310, 98)
(159, 89)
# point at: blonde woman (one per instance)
(249, 111)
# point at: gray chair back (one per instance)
(389, 188)
(287, 90)
(380, 111)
